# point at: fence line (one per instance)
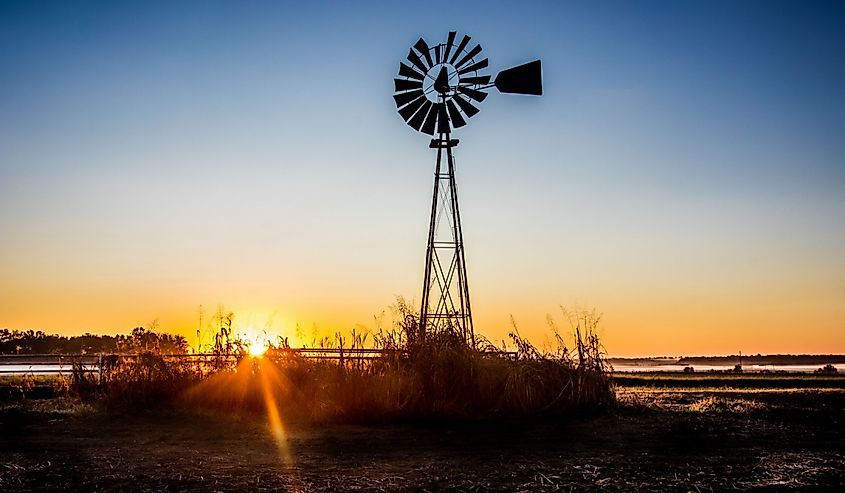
(51, 364)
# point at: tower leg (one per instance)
(429, 252)
(445, 299)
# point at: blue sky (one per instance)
(684, 169)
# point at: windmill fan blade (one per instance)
(523, 79)
(460, 48)
(440, 86)
(430, 120)
(406, 85)
(408, 111)
(475, 66)
(450, 42)
(473, 93)
(415, 59)
(466, 106)
(422, 47)
(442, 119)
(418, 118)
(406, 97)
(481, 79)
(468, 56)
(455, 115)
(406, 71)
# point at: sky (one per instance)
(683, 173)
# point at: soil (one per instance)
(656, 440)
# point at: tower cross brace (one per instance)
(445, 297)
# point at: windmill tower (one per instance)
(435, 93)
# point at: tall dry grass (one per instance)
(440, 377)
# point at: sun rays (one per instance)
(255, 383)
(268, 375)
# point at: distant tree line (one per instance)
(138, 341)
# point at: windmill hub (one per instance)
(436, 91)
(441, 83)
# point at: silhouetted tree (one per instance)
(139, 340)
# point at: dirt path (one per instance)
(689, 442)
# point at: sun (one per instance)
(257, 348)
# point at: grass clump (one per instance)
(717, 404)
(438, 376)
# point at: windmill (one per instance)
(435, 92)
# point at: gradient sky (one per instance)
(684, 173)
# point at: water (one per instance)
(55, 368)
(655, 367)
(42, 369)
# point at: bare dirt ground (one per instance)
(657, 440)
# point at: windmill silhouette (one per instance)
(435, 92)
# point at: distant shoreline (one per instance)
(758, 359)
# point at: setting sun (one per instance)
(257, 348)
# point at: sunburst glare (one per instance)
(257, 348)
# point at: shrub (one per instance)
(827, 369)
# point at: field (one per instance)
(682, 437)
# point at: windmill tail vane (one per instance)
(437, 91)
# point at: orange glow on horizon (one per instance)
(670, 324)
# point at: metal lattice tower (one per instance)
(434, 94)
(445, 295)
